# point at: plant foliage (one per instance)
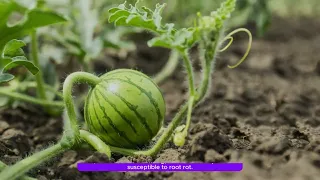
(10, 48)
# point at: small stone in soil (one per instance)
(16, 139)
(3, 126)
(169, 155)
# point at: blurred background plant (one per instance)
(19, 20)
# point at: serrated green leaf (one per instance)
(180, 39)
(133, 16)
(6, 77)
(116, 13)
(161, 41)
(13, 48)
(21, 61)
(145, 18)
(157, 14)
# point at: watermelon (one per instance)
(126, 109)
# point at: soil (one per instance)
(265, 113)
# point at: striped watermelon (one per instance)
(126, 109)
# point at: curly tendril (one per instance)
(228, 45)
(230, 38)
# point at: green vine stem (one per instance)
(95, 142)
(19, 169)
(35, 58)
(189, 68)
(77, 77)
(47, 88)
(72, 134)
(86, 63)
(179, 138)
(208, 62)
(169, 68)
(30, 99)
(3, 165)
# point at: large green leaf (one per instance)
(10, 49)
(168, 36)
(33, 19)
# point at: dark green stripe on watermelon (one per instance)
(120, 133)
(116, 109)
(133, 108)
(148, 94)
(105, 135)
(87, 113)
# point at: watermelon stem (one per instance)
(3, 165)
(187, 62)
(95, 142)
(39, 76)
(23, 166)
(76, 77)
(72, 135)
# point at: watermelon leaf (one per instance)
(13, 56)
(11, 53)
(33, 19)
(168, 36)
